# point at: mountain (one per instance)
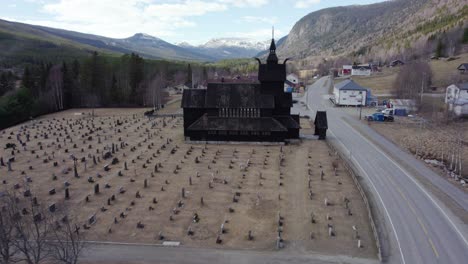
(383, 29)
(228, 48)
(18, 39)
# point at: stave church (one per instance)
(247, 112)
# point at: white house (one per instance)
(293, 78)
(456, 97)
(361, 70)
(349, 93)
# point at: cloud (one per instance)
(258, 34)
(257, 19)
(245, 3)
(121, 18)
(306, 3)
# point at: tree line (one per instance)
(101, 81)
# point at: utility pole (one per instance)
(307, 93)
(422, 88)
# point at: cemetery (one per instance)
(128, 178)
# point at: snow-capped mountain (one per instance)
(228, 48)
(237, 42)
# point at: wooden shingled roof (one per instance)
(237, 124)
(237, 95)
(193, 98)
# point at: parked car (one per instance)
(379, 117)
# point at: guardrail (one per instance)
(353, 172)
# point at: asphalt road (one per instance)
(420, 228)
(125, 253)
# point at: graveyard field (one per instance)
(243, 187)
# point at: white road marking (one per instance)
(417, 184)
(378, 194)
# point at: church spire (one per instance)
(272, 58)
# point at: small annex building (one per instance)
(463, 68)
(349, 93)
(361, 70)
(456, 97)
(251, 111)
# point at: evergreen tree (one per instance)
(189, 76)
(465, 36)
(67, 81)
(114, 90)
(439, 52)
(28, 80)
(205, 75)
(4, 84)
(136, 75)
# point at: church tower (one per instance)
(272, 76)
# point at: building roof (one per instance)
(237, 124)
(291, 84)
(396, 62)
(234, 95)
(463, 66)
(349, 85)
(193, 98)
(272, 58)
(462, 86)
(288, 121)
(361, 67)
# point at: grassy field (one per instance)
(445, 70)
(443, 74)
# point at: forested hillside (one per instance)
(381, 31)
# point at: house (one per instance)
(346, 70)
(250, 111)
(349, 93)
(361, 70)
(396, 63)
(293, 78)
(291, 84)
(456, 97)
(463, 68)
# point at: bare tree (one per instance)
(66, 242)
(55, 81)
(32, 231)
(8, 216)
(180, 77)
(157, 84)
(412, 80)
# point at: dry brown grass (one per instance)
(444, 70)
(259, 188)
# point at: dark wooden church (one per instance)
(257, 111)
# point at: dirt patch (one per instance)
(179, 176)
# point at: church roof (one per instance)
(272, 58)
(234, 95)
(288, 121)
(193, 98)
(237, 124)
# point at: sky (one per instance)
(176, 21)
